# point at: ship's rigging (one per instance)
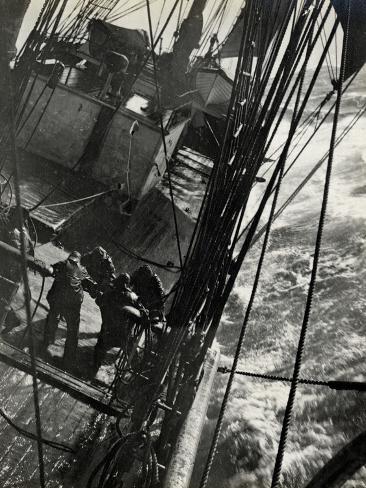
(267, 82)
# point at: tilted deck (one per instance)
(80, 390)
(73, 410)
(40, 178)
(64, 419)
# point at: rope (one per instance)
(333, 384)
(39, 297)
(255, 221)
(26, 289)
(311, 172)
(111, 468)
(247, 161)
(159, 20)
(30, 435)
(220, 211)
(7, 184)
(128, 178)
(298, 361)
(71, 201)
(271, 377)
(240, 342)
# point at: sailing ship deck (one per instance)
(64, 419)
(73, 409)
(39, 178)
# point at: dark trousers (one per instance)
(71, 314)
(113, 333)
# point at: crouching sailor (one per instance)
(120, 310)
(65, 298)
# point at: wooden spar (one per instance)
(34, 264)
(78, 389)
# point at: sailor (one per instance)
(10, 268)
(65, 298)
(10, 234)
(149, 288)
(120, 308)
(100, 267)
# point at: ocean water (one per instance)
(324, 420)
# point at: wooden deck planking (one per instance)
(63, 419)
(40, 178)
(57, 378)
(74, 418)
(55, 425)
(18, 445)
(24, 455)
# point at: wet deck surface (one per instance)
(64, 418)
(189, 176)
(42, 180)
(90, 323)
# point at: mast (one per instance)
(191, 31)
(11, 15)
(173, 66)
(11, 18)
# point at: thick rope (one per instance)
(255, 221)
(26, 291)
(298, 361)
(344, 385)
(30, 435)
(271, 377)
(204, 268)
(221, 300)
(218, 428)
(282, 161)
(229, 207)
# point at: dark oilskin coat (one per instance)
(67, 287)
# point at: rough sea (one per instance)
(324, 420)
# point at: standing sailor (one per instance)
(10, 268)
(65, 298)
(10, 233)
(100, 267)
